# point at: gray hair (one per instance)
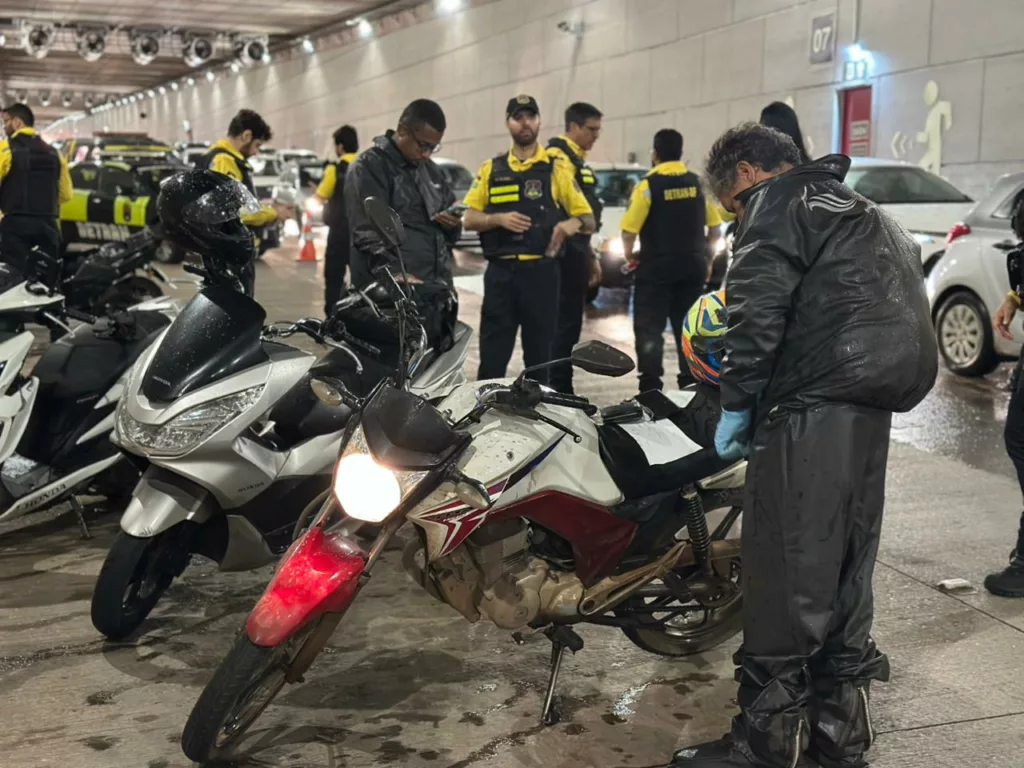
(763, 147)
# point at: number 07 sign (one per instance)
(823, 38)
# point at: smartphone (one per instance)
(457, 209)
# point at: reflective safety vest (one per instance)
(586, 179)
(675, 224)
(528, 192)
(32, 185)
(334, 209)
(204, 162)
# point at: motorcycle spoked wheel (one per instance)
(245, 683)
(128, 294)
(669, 627)
(134, 577)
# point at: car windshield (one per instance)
(899, 186)
(615, 186)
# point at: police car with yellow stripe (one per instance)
(112, 200)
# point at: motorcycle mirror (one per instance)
(472, 492)
(331, 392)
(601, 359)
(387, 223)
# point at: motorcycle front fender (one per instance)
(319, 574)
(163, 499)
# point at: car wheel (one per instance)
(964, 332)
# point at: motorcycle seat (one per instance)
(674, 449)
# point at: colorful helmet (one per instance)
(704, 336)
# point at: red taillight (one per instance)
(319, 574)
(959, 230)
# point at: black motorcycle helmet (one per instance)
(201, 211)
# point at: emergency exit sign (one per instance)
(823, 38)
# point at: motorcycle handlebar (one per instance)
(569, 401)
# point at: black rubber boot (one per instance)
(1009, 582)
(842, 732)
(727, 753)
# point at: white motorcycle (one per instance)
(232, 440)
(55, 420)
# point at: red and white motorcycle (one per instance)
(528, 512)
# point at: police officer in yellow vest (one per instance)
(579, 267)
(525, 204)
(669, 212)
(247, 132)
(34, 182)
(331, 193)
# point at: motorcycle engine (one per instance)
(495, 576)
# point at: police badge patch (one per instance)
(533, 189)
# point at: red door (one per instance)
(857, 122)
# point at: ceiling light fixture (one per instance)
(267, 57)
(174, 86)
(37, 39)
(308, 46)
(251, 50)
(450, 6)
(365, 28)
(88, 100)
(21, 95)
(190, 80)
(91, 42)
(67, 99)
(145, 47)
(162, 90)
(44, 98)
(235, 66)
(197, 51)
(210, 75)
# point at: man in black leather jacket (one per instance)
(398, 170)
(829, 333)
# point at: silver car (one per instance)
(969, 282)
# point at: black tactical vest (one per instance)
(204, 162)
(334, 209)
(527, 192)
(585, 178)
(675, 224)
(32, 186)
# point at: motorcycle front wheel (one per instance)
(245, 683)
(133, 578)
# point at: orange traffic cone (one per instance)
(308, 250)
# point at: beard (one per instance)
(524, 137)
(246, 150)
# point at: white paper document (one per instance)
(661, 441)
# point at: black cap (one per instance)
(520, 103)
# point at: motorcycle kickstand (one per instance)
(80, 514)
(562, 638)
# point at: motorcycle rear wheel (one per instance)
(245, 683)
(666, 636)
(132, 580)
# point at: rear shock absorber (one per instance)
(697, 528)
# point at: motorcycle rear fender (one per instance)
(163, 499)
(319, 574)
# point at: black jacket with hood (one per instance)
(417, 193)
(826, 300)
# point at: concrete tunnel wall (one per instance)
(697, 65)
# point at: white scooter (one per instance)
(56, 419)
(232, 440)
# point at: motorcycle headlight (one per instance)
(366, 489)
(186, 430)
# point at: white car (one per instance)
(969, 282)
(460, 180)
(926, 204)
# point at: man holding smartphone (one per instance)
(398, 170)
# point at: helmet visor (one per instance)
(228, 202)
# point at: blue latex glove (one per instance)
(732, 437)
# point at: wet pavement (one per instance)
(406, 681)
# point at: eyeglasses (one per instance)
(425, 146)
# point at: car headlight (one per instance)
(366, 489)
(613, 246)
(186, 430)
